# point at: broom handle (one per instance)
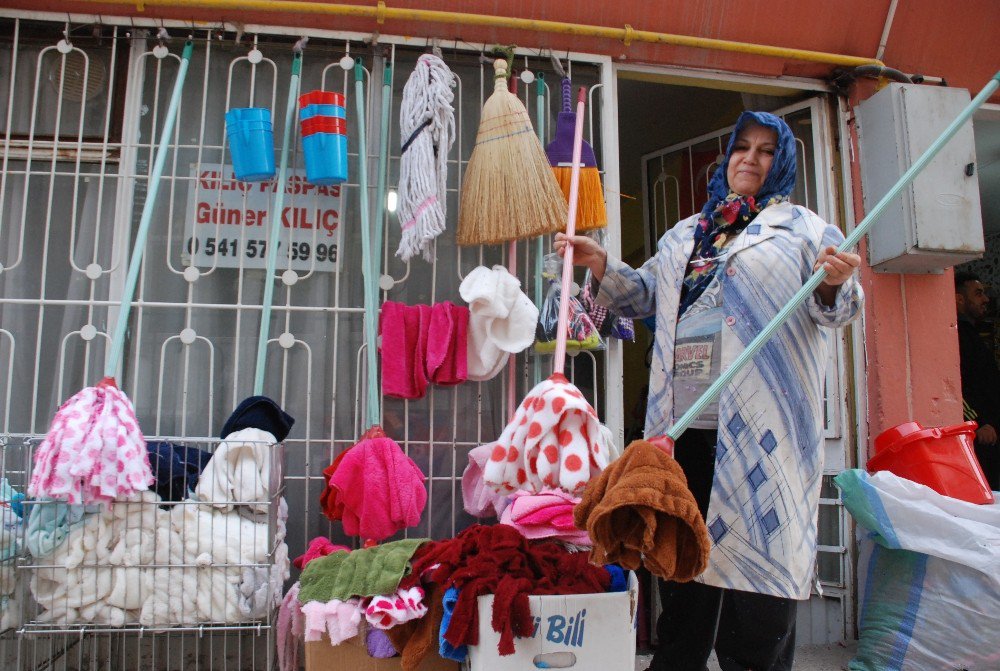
(540, 242)
(567, 95)
(383, 163)
(371, 309)
(813, 282)
(567, 271)
(275, 232)
(139, 247)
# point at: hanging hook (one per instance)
(436, 48)
(346, 62)
(300, 45)
(557, 65)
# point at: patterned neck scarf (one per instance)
(711, 235)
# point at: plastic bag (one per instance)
(930, 576)
(609, 325)
(581, 334)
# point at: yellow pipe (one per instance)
(380, 13)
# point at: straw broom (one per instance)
(509, 191)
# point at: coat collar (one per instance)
(764, 226)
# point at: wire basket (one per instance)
(213, 559)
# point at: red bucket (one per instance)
(321, 98)
(941, 458)
(324, 124)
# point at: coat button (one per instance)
(730, 320)
(730, 271)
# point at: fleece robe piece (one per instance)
(498, 560)
(94, 451)
(548, 514)
(501, 320)
(388, 610)
(381, 489)
(340, 620)
(318, 547)
(641, 512)
(553, 441)
(366, 572)
(478, 498)
(418, 638)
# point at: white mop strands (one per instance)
(427, 132)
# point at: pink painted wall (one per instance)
(911, 339)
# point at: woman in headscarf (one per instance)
(754, 459)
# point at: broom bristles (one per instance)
(591, 212)
(509, 191)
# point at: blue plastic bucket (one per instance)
(309, 111)
(251, 143)
(326, 158)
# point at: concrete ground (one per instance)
(831, 657)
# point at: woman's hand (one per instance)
(586, 252)
(839, 267)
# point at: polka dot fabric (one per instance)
(94, 450)
(385, 612)
(553, 441)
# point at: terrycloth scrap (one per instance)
(548, 514)
(379, 645)
(478, 498)
(501, 319)
(404, 370)
(381, 489)
(387, 611)
(329, 499)
(446, 649)
(318, 547)
(50, 522)
(259, 412)
(239, 472)
(338, 619)
(93, 452)
(498, 560)
(641, 512)
(290, 630)
(366, 572)
(418, 638)
(554, 440)
(176, 468)
(447, 344)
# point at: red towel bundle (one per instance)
(422, 344)
(498, 560)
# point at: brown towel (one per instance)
(418, 638)
(640, 511)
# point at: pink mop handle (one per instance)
(512, 365)
(567, 271)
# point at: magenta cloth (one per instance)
(381, 488)
(447, 345)
(94, 451)
(478, 498)
(318, 547)
(403, 368)
(548, 514)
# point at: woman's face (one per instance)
(750, 161)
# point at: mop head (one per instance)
(509, 191)
(591, 212)
(94, 451)
(554, 440)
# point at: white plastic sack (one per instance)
(930, 574)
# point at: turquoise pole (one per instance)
(540, 242)
(275, 231)
(139, 247)
(813, 282)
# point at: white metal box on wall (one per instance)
(936, 222)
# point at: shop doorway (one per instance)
(672, 133)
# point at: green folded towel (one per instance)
(368, 572)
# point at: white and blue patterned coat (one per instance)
(769, 456)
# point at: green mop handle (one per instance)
(368, 267)
(813, 282)
(135, 263)
(275, 231)
(383, 170)
(540, 242)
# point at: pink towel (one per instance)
(548, 514)
(381, 488)
(403, 369)
(480, 499)
(447, 344)
(318, 547)
(291, 627)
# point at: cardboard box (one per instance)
(352, 655)
(582, 632)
